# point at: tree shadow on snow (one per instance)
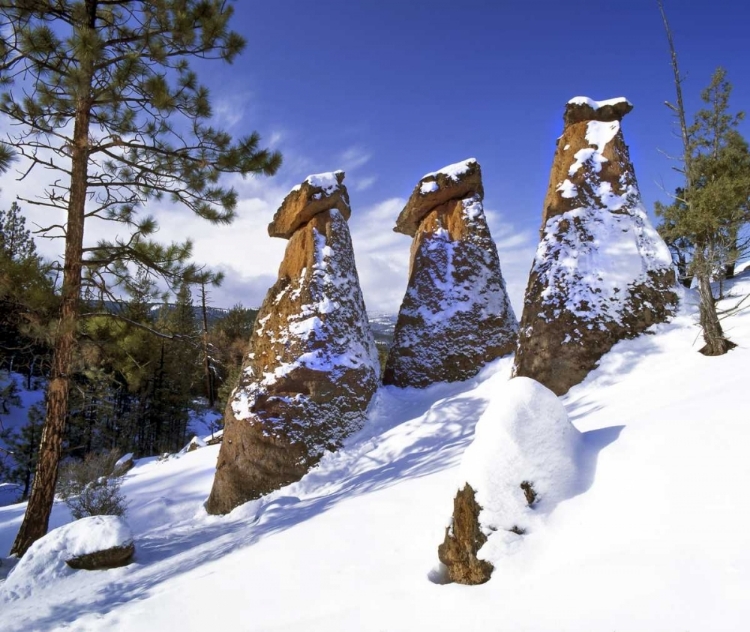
(395, 450)
(389, 453)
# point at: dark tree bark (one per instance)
(36, 519)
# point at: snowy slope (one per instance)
(659, 540)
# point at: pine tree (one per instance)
(702, 214)
(709, 214)
(27, 298)
(16, 241)
(106, 91)
(24, 449)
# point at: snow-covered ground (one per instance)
(659, 538)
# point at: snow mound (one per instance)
(523, 437)
(44, 562)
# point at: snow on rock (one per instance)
(596, 105)
(456, 315)
(319, 192)
(312, 364)
(580, 109)
(453, 182)
(49, 559)
(525, 458)
(124, 463)
(601, 272)
(456, 171)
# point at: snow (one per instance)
(592, 271)
(454, 171)
(326, 181)
(600, 133)
(524, 435)
(655, 539)
(567, 189)
(428, 187)
(44, 564)
(597, 104)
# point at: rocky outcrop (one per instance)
(455, 315)
(463, 539)
(113, 557)
(601, 272)
(312, 365)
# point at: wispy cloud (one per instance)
(354, 157)
(362, 183)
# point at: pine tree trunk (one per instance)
(36, 519)
(713, 334)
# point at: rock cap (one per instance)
(318, 193)
(580, 109)
(453, 182)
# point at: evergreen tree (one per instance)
(23, 447)
(229, 339)
(693, 216)
(710, 213)
(16, 242)
(115, 73)
(179, 372)
(27, 298)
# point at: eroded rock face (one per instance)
(455, 315)
(463, 539)
(312, 366)
(601, 272)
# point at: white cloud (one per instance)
(382, 255)
(250, 258)
(353, 158)
(362, 183)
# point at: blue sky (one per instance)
(391, 90)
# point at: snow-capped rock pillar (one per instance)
(601, 272)
(312, 365)
(455, 315)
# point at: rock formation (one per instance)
(112, 557)
(312, 365)
(455, 315)
(601, 272)
(526, 458)
(463, 539)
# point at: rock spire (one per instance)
(312, 364)
(601, 272)
(455, 315)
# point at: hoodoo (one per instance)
(601, 272)
(455, 315)
(312, 365)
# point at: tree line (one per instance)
(141, 370)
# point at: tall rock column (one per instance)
(601, 272)
(312, 365)
(455, 315)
